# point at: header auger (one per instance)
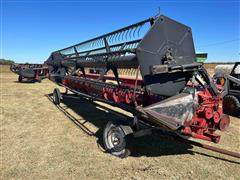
(169, 90)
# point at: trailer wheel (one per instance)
(66, 91)
(116, 140)
(56, 96)
(20, 78)
(231, 105)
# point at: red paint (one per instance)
(206, 120)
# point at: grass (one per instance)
(4, 69)
(40, 141)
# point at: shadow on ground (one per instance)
(27, 81)
(30, 81)
(151, 145)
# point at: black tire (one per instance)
(66, 91)
(56, 96)
(116, 141)
(39, 79)
(231, 105)
(20, 78)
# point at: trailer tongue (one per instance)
(170, 89)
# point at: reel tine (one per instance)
(130, 46)
(83, 46)
(87, 46)
(99, 42)
(134, 32)
(93, 44)
(111, 36)
(90, 45)
(130, 33)
(126, 35)
(114, 38)
(107, 39)
(103, 43)
(96, 45)
(140, 27)
(123, 35)
(124, 32)
(119, 36)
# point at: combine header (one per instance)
(169, 90)
(30, 71)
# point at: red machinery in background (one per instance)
(30, 71)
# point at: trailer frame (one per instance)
(132, 127)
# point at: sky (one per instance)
(31, 30)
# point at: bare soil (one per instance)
(41, 141)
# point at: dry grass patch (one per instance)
(38, 141)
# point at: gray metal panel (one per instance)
(168, 84)
(166, 34)
(164, 54)
(126, 61)
(27, 73)
(173, 112)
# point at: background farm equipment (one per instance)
(229, 77)
(30, 71)
(201, 57)
(169, 90)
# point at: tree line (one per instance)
(6, 61)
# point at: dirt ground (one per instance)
(41, 141)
